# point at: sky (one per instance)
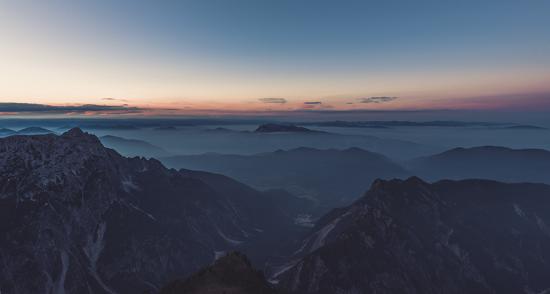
(202, 57)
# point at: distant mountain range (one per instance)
(331, 177)
(487, 162)
(25, 131)
(76, 217)
(409, 236)
(388, 124)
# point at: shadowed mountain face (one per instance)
(132, 147)
(495, 163)
(231, 274)
(76, 217)
(408, 236)
(331, 177)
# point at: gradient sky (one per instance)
(186, 56)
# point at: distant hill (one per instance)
(34, 131)
(6, 132)
(524, 127)
(133, 147)
(276, 128)
(487, 162)
(332, 177)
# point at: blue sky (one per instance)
(231, 54)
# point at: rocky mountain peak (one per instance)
(230, 274)
(77, 133)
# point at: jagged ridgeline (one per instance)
(76, 217)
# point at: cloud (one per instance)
(114, 99)
(273, 100)
(313, 102)
(9, 107)
(378, 99)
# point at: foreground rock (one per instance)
(231, 274)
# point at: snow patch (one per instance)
(128, 186)
(518, 211)
(142, 211)
(227, 239)
(280, 270)
(60, 284)
(304, 220)
(323, 233)
(219, 254)
(542, 225)
(94, 245)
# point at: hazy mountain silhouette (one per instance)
(34, 131)
(6, 132)
(133, 147)
(332, 177)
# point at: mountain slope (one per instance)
(487, 162)
(332, 177)
(79, 218)
(412, 237)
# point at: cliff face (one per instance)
(76, 217)
(412, 237)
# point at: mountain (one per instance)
(487, 162)
(331, 177)
(472, 236)
(76, 217)
(276, 128)
(33, 131)
(231, 274)
(133, 147)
